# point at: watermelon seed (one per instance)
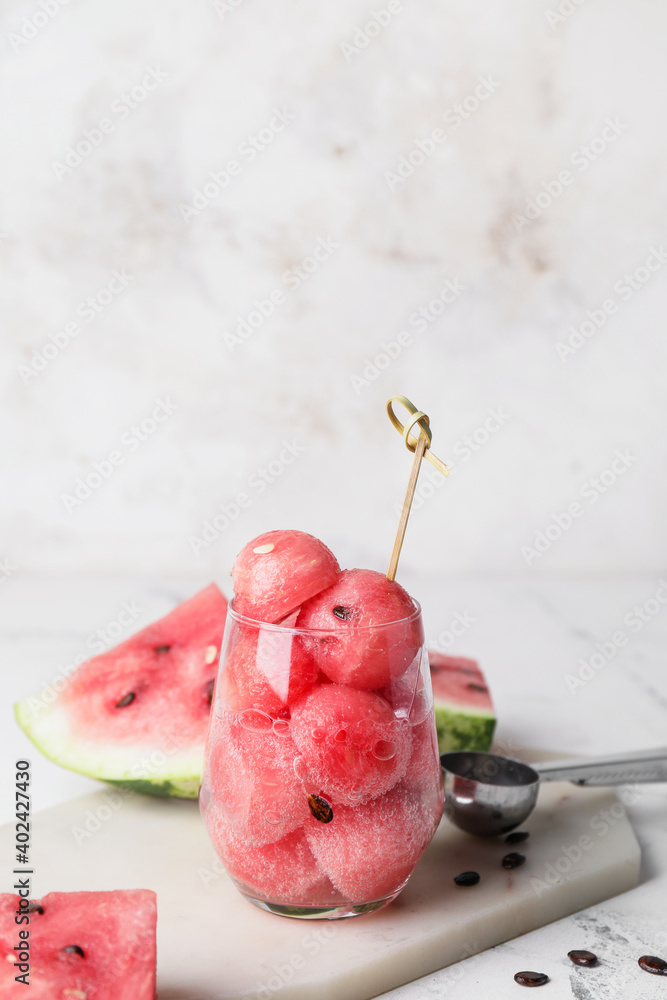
(126, 700)
(320, 808)
(75, 994)
(478, 687)
(582, 957)
(35, 908)
(649, 963)
(513, 860)
(517, 837)
(208, 690)
(341, 612)
(467, 878)
(531, 978)
(262, 550)
(210, 654)
(73, 949)
(161, 649)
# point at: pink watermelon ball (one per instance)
(410, 696)
(352, 746)
(423, 773)
(356, 655)
(266, 670)
(282, 872)
(369, 851)
(279, 570)
(250, 790)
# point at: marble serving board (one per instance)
(213, 945)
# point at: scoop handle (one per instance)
(644, 766)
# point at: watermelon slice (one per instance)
(464, 713)
(95, 945)
(138, 714)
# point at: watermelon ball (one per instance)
(279, 570)
(250, 788)
(356, 655)
(352, 747)
(369, 851)
(282, 872)
(424, 773)
(266, 670)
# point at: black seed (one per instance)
(126, 700)
(649, 963)
(467, 878)
(341, 612)
(208, 690)
(517, 837)
(320, 808)
(531, 978)
(582, 957)
(513, 860)
(161, 649)
(477, 687)
(35, 908)
(73, 949)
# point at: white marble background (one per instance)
(222, 69)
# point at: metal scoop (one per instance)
(487, 794)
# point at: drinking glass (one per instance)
(321, 797)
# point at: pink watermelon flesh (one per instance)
(277, 571)
(266, 670)
(352, 746)
(114, 930)
(423, 772)
(369, 852)
(138, 714)
(464, 713)
(353, 654)
(285, 869)
(250, 787)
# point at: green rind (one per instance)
(184, 788)
(181, 779)
(460, 730)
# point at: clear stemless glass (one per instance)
(320, 798)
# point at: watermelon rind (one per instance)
(138, 770)
(463, 730)
(464, 714)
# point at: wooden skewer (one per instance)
(420, 446)
(407, 504)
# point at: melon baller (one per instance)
(487, 794)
